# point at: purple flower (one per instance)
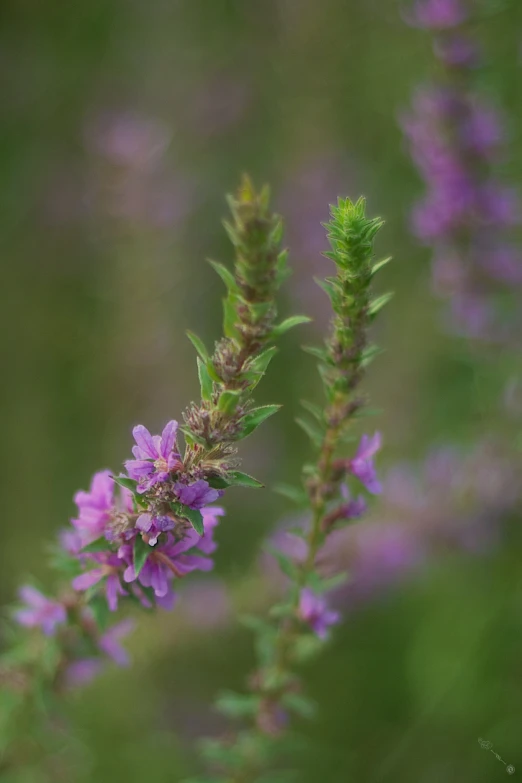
(154, 526)
(457, 51)
(155, 456)
(353, 508)
(196, 495)
(82, 672)
(108, 566)
(313, 609)
(361, 466)
(173, 558)
(109, 643)
(40, 611)
(437, 14)
(96, 507)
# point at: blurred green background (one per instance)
(122, 126)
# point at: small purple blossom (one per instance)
(362, 467)
(154, 456)
(97, 506)
(82, 672)
(109, 643)
(108, 566)
(40, 611)
(437, 14)
(172, 558)
(154, 526)
(313, 609)
(197, 495)
(352, 508)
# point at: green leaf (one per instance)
(315, 410)
(369, 354)
(228, 401)
(226, 276)
(296, 494)
(260, 363)
(319, 353)
(141, 552)
(378, 304)
(236, 478)
(205, 381)
(237, 705)
(100, 545)
(217, 482)
(299, 704)
(289, 323)
(313, 432)
(320, 585)
(256, 417)
(126, 482)
(230, 318)
(212, 372)
(380, 264)
(286, 564)
(194, 516)
(199, 345)
(281, 610)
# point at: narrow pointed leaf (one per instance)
(126, 482)
(199, 345)
(236, 478)
(256, 417)
(378, 304)
(289, 323)
(226, 276)
(313, 432)
(205, 381)
(141, 551)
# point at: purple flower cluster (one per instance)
(132, 541)
(456, 135)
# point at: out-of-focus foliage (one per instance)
(122, 125)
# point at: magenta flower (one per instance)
(154, 526)
(82, 672)
(40, 611)
(155, 456)
(438, 14)
(313, 609)
(94, 507)
(97, 507)
(353, 508)
(362, 467)
(108, 566)
(170, 559)
(197, 495)
(109, 643)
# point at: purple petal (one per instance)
(168, 437)
(145, 443)
(88, 579)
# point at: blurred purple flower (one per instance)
(362, 467)
(313, 609)
(437, 14)
(109, 643)
(82, 672)
(108, 566)
(40, 611)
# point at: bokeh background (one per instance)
(122, 126)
